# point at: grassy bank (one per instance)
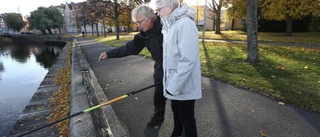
(287, 74)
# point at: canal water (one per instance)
(22, 68)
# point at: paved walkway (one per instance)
(224, 110)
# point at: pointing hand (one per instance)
(102, 56)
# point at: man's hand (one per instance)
(103, 55)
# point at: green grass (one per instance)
(304, 38)
(287, 74)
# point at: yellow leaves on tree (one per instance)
(282, 9)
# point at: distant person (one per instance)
(150, 37)
(82, 33)
(181, 64)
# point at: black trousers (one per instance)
(183, 117)
(159, 100)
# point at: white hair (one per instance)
(144, 11)
(168, 3)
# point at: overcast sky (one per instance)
(26, 6)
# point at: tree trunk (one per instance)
(104, 29)
(43, 31)
(97, 29)
(116, 20)
(252, 31)
(218, 22)
(214, 23)
(49, 30)
(232, 24)
(85, 29)
(289, 27)
(92, 29)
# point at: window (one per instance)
(243, 22)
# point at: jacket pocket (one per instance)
(188, 87)
(170, 74)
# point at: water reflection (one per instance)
(22, 69)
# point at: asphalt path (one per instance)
(224, 110)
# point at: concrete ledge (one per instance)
(81, 125)
(85, 86)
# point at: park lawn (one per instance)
(303, 38)
(287, 74)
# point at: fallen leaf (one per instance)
(281, 103)
(79, 120)
(263, 134)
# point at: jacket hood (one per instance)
(182, 11)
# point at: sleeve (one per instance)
(132, 47)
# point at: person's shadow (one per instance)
(152, 131)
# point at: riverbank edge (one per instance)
(104, 119)
(36, 111)
(85, 92)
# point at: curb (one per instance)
(86, 92)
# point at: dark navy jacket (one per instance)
(151, 39)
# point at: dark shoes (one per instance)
(156, 119)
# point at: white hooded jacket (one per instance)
(181, 61)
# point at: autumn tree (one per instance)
(236, 11)
(93, 10)
(216, 9)
(81, 16)
(125, 17)
(14, 21)
(288, 10)
(199, 13)
(116, 8)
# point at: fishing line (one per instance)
(92, 108)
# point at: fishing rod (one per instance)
(92, 108)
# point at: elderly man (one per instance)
(150, 37)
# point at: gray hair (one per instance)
(144, 11)
(169, 3)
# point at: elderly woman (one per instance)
(181, 64)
